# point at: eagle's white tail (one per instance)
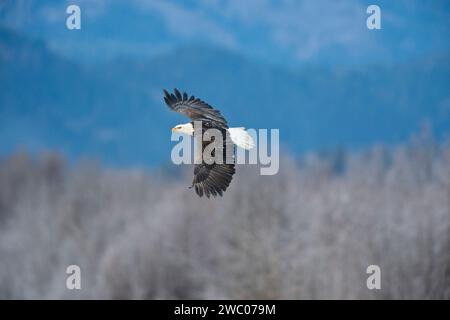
(241, 138)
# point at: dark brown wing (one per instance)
(194, 108)
(214, 179)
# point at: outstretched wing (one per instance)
(214, 178)
(194, 108)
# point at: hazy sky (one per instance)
(288, 32)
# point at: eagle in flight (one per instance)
(210, 178)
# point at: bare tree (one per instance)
(308, 232)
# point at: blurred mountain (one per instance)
(115, 112)
(288, 33)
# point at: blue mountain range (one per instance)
(114, 111)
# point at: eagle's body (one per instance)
(209, 178)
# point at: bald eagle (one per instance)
(209, 178)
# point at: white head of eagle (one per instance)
(209, 178)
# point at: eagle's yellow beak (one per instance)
(174, 129)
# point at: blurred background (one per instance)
(85, 170)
